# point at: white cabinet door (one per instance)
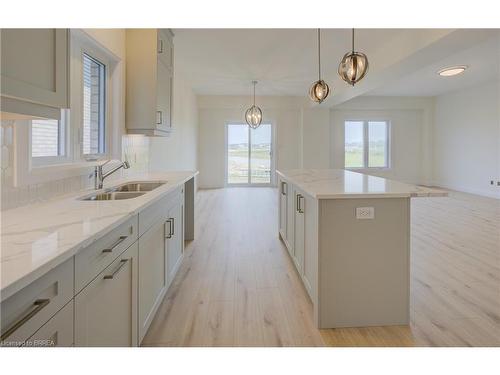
(175, 238)
(152, 273)
(35, 65)
(283, 208)
(290, 219)
(106, 309)
(163, 97)
(58, 331)
(310, 269)
(298, 249)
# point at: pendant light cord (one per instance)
(254, 83)
(353, 40)
(319, 56)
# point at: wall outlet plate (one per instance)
(365, 212)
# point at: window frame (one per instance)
(366, 144)
(102, 106)
(83, 45)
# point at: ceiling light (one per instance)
(353, 66)
(253, 115)
(319, 89)
(452, 70)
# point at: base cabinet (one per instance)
(109, 292)
(58, 331)
(105, 310)
(299, 231)
(153, 264)
(283, 186)
(175, 240)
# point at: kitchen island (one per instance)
(348, 235)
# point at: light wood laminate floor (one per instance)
(238, 287)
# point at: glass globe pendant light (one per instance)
(353, 66)
(319, 89)
(253, 115)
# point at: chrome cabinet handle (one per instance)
(299, 206)
(170, 229)
(160, 117)
(283, 184)
(173, 227)
(38, 305)
(122, 263)
(115, 245)
(160, 48)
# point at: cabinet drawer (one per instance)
(26, 311)
(58, 331)
(92, 260)
(159, 210)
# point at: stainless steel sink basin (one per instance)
(128, 190)
(113, 195)
(138, 186)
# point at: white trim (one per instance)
(272, 180)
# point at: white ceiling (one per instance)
(284, 61)
(483, 65)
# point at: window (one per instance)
(366, 144)
(94, 78)
(48, 140)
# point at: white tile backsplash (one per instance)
(135, 149)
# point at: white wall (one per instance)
(410, 145)
(179, 151)
(216, 111)
(315, 133)
(466, 139)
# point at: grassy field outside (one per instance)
(376, 157)
(238, 164)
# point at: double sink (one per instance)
(124, 191)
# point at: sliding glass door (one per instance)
(249, 155)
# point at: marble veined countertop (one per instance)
(39, 237)
(340, 183)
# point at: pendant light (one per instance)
(353, 66)
(253, 115)
(319, 89)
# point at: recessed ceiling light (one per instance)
(452, 70)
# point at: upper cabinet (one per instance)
(150, 71)
(35, 66)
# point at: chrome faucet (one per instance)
(99, 176)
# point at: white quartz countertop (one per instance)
(39, 237)
(343, 184)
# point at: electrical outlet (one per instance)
(365, 212)
(492, 182)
